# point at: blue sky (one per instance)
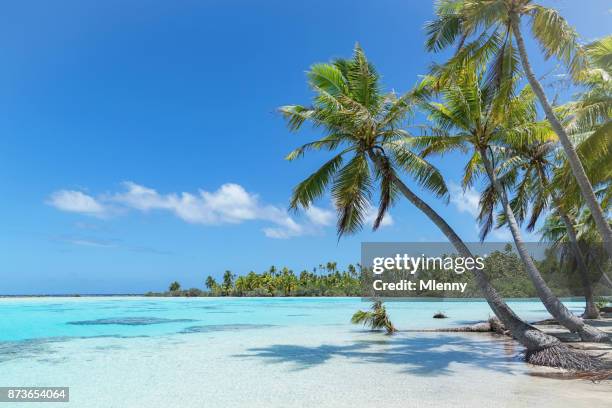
(139, 140)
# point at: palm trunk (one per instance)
(590, 310)
(572, 157)
(550, 301)
(542, 349)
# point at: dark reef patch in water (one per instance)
(129, 321)
(224, 327)
(26, 349)
(42, 348)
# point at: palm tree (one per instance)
(495, 23)
(594, 104)
(174, 286)
(556, 229)
(587, 121)
(210, 283)
(359, 120)
(228, 282)
(529, 166)
(376, 319)
(475, 116)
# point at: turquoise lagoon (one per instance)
(270, 352)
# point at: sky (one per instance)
(139, 142)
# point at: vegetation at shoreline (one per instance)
(503, 268)
(324, 280)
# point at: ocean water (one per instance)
(270, 352)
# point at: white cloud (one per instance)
(76, 201)
(229, 204)
(465, 200)
(372, 213)
(320, 216)
(90, 242)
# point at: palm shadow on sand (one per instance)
(430, 356)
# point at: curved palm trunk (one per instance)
(572, 157)
(533, 339)
(550, 301)
(590, 310)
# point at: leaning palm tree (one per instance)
(529, 166)
(360, 121)
(474, 116)
(495, 24)
(376, 318)
(583, 259)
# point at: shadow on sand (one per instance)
(430, 356)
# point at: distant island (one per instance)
(504, 268)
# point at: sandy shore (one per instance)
(271, 353)
(301, 369)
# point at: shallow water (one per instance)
(252, 352)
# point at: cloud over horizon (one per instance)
(229, 204)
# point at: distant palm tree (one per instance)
(359, 120)
(376, 319)
(495, 23)
(228, 282)
(210, 283)
(174, 286)
(474, 116)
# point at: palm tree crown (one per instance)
(362, 122)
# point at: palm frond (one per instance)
(329, 142)
(424, 173)
(388, 190)
(446, 28)
(557, 38)
(363, 80)
(351, 193)
(296, 115)
(328, 78)
(314, 186)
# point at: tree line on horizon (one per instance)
(537, 160)
(503, 268)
